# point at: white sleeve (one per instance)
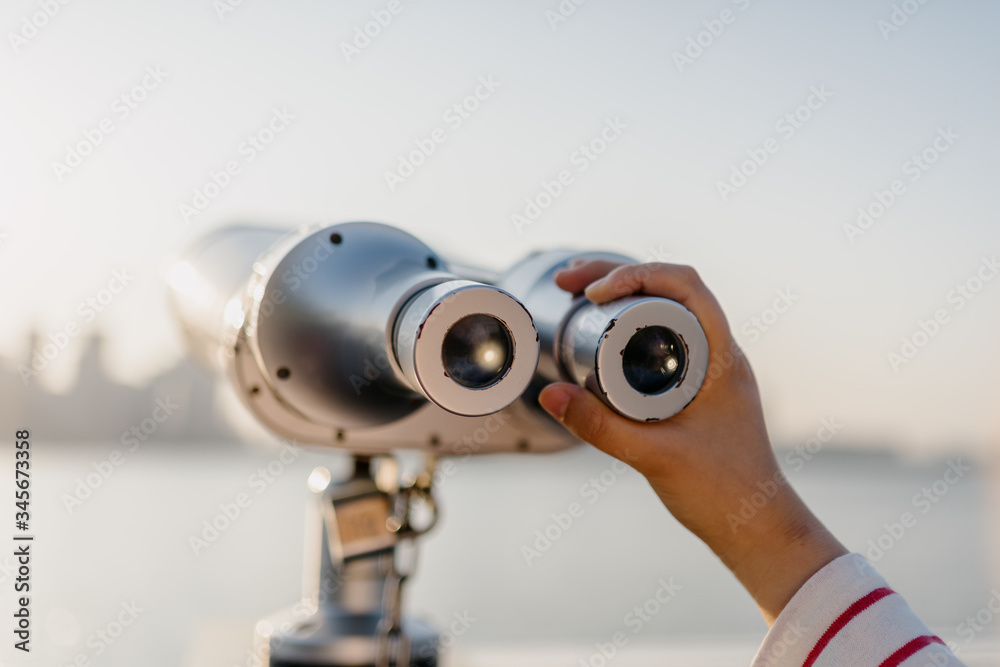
(847, 616)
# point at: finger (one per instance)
(673, 281)
(581, 273)
(590, 420)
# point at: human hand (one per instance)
(715, 454)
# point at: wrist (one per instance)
(779, 551)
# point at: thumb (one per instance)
(589, 419)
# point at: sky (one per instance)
(741, 137)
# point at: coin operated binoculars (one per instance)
(360, 337)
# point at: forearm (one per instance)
(772, 552)
(780, 550)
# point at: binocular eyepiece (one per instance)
(646, 357)
(357, 326)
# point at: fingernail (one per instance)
(555, 400)
(594, 286)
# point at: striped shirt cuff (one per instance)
(846, 615)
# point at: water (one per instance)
(130, 543)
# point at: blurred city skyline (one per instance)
(749, 136)
(178, 406)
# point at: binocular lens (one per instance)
(653, 360)
(477, 351)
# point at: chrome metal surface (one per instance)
(349, 609)
(422, 330)
(318, 316)
(584, 343)
(304, 325)
(205, 287)
(592, 348)
(532, 282)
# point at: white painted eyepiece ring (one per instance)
(592, 347)
(419, 343)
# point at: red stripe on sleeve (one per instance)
(843, 620)
(909, 649)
